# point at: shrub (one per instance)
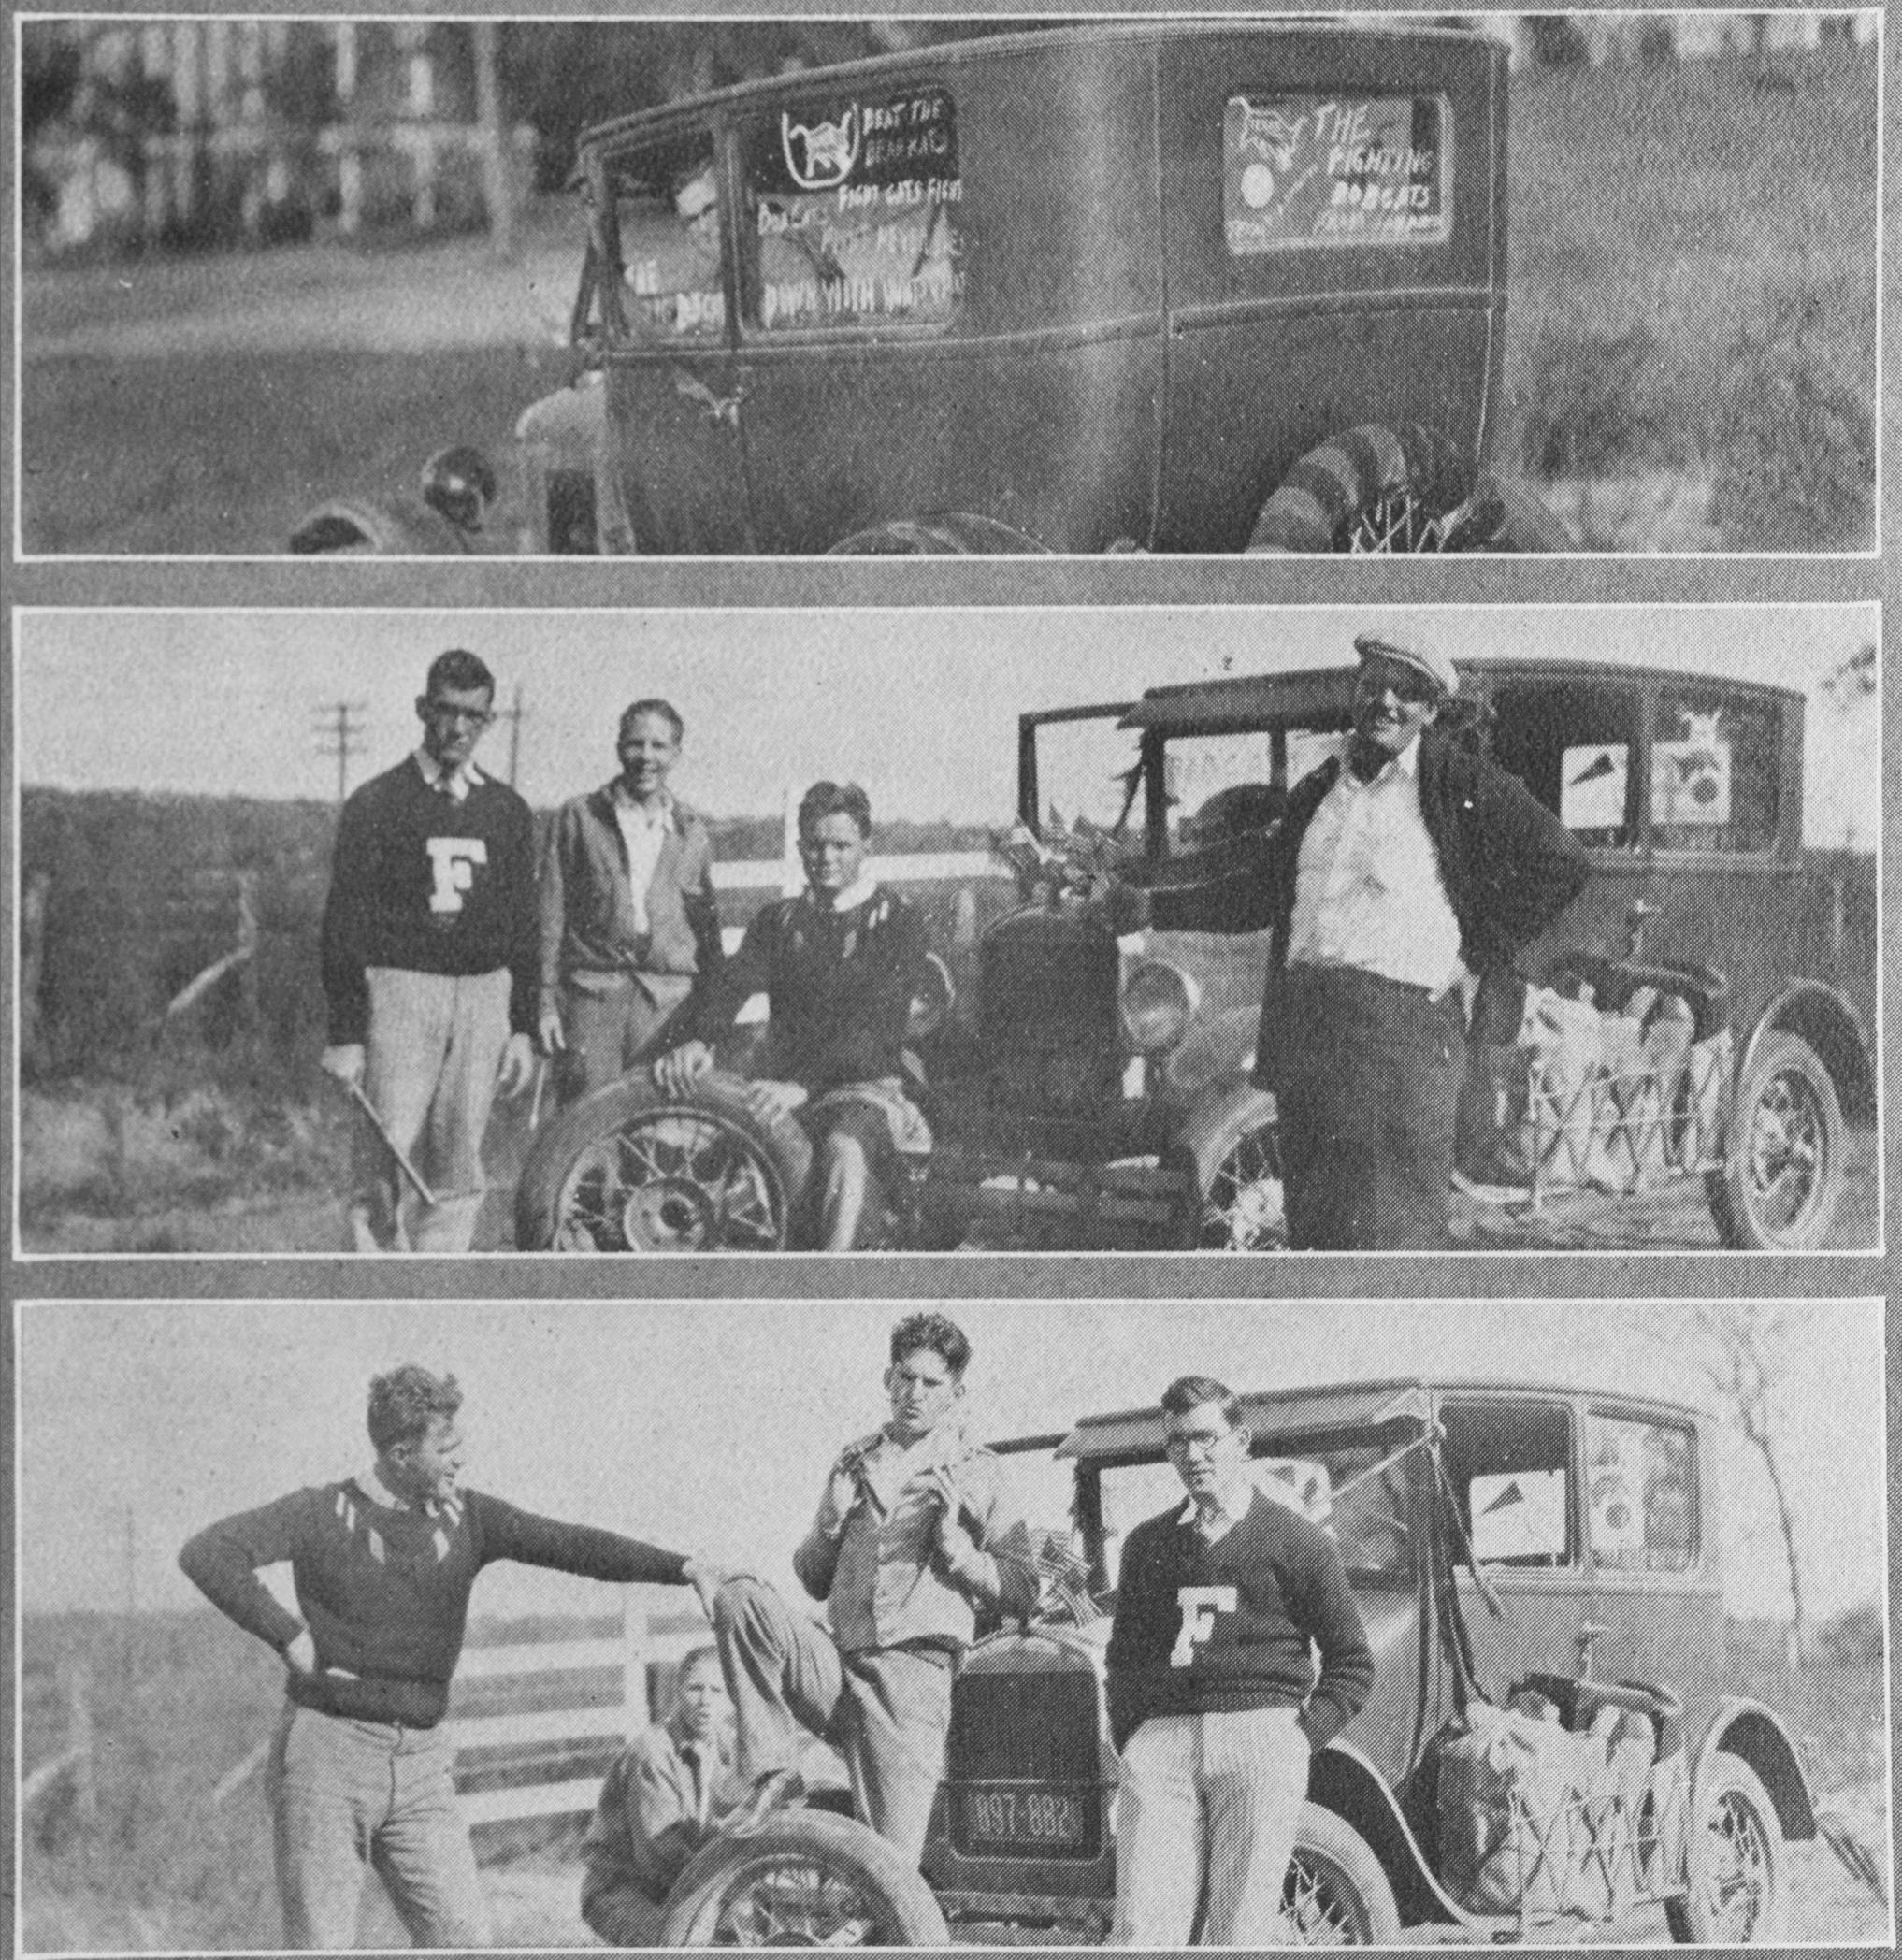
(1794, 444)
(1601, 404)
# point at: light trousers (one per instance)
(348, 1793)
(1207, 1802)
(433, 1053)
(886, 1709)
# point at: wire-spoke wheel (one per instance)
(1336, 1893)
(629, 1170)
(1244, 1209)
(1406, 489)
(804, 1878)
(1783, 1171)
(1736, 1860)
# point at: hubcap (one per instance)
(672, 1181)
(1786, 1150)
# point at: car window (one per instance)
(1508, 1465)
(666, 211)
(1319, 170)
(1221, 787)
(1643, 1480)
(851, 213)
(1086, 774)
(1714, 760)
(1575, 745)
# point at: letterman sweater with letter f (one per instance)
(1221, 1628)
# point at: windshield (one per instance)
(1356, 1492)
(1090, 774)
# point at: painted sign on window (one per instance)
(852, 210)
(1332, 170)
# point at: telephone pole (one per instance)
(339, 730)
(514, 715)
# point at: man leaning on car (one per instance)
(1401, 885)
(1215, 1706)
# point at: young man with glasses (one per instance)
(430, 966)
(1400, 887)
(1215, 1705)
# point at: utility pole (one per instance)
(339, 727)
(514, 715)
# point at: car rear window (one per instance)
(1714, 760)
(1320, 170)
(852, 206)
(1644, 1494)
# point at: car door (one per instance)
(673, 416)
(1655, 1586)
(1511, 1465)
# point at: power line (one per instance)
(339, 730)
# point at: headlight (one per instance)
(1159, 1003)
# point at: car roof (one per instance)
(1320, 694)
(1093, 33)
(1403, 1401)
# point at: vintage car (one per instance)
(1700, 1012)
(1143, 285)
(1546, 1547)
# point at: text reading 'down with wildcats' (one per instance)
(1314, 170)
(1200, 1605)
(452, 864)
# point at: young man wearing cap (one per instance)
(429, 966)
(1216, 1706)
(630, 925)
(383, 1562)
(1404, 879)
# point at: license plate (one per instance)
(1023, 1821)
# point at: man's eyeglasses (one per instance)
(475, 717)
(1186, 1441)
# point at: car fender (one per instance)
(376, 527)
(1342, 1779)
(1226, 1111)
(1830, 1022)
(1748, 1730)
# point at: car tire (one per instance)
(1243, 1208)
(1782, 1174)
(1736, 1860)
(1337, 1893)
(631, 1169)
(1372, 489)
(804, 1878)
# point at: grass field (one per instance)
(1672, 231)
(165, 1852)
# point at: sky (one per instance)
(709, 1425)
(920, 705)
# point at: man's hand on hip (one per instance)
(300, 1655)
(774, 1102)
(518, 1065)
(345, 1061)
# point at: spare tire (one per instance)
(631, 1169)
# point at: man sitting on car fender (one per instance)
(839, 965)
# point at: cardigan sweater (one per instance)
(1221, 1628)
(427, 884)
(384, 1590)
(588, 900)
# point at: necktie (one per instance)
(690, 1755)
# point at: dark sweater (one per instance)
(429, 886)
(840, 986)
(1289, 1589)
(385, 1591)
